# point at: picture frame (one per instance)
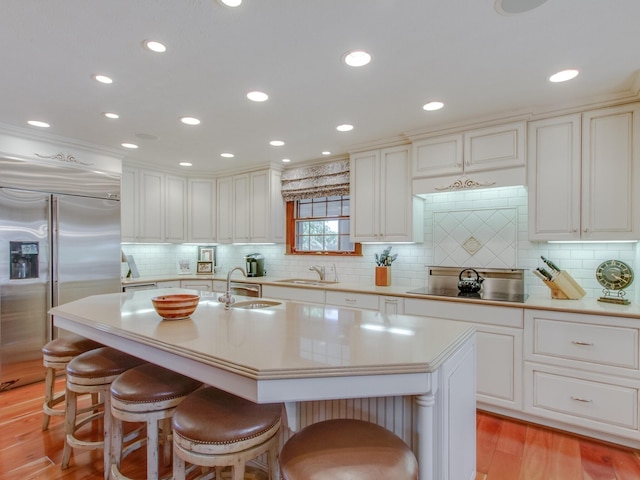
(207, 254)
(205, 268)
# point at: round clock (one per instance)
(614, 275)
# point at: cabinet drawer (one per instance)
(465, 312)
(294, 294)
(203, 285)
(581, 401)
(602, 344)
(349, 299)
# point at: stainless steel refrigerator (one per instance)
(59, 241)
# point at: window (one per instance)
(320, 225)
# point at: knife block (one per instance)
(564, 287)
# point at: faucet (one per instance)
(318, 270)
(335, 273)
(227, 299)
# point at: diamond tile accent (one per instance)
(476, 238)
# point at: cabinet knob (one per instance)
(580, 399)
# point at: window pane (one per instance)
(331, 242)
(334, 209)
(319, 209)
(331, 227)
(304, 210)
(346, 207)
(316, 242)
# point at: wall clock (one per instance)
(614, 276)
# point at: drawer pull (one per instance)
(582, 344)
(350, 300)
(578, 399)
(387, 300)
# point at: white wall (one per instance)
(409, 270)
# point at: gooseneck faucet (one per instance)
(227, 299)
(318, 270)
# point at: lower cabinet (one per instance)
(294, 294)
(203, 285)
(499, 346)
(584, 372)
(351, 299)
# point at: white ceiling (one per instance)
(480, 63)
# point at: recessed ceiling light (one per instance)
(227, 155)
(190, 121)
(514, 7)
(257, 96)
(326, 152)
(276, 143)
(185, 164)
(344, 128)
(102, 79)
(38, 123)
(231, 3)
(111, 115)
(431, 106)
(563, 76)
(130, 145)
(356, 58)
(286, 160)
(154, 46)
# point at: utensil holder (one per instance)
(564, 287)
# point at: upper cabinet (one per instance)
(582, 170)
(250, 208)
(153, 206)
(382, 207)
(485, 157)
(201, 210)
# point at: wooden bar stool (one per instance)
(92, 372)
(345, 449)
(213, 428)
(56, 354)
(148, 394)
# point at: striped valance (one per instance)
(316, 181)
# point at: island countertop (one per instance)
(288, 340)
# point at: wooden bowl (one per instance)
(176, 306)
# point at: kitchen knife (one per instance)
(550, 264)
(540, 275)
(544, 272)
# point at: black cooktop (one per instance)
(482, 295)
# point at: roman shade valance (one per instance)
(315, 181)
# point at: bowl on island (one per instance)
(176, 306)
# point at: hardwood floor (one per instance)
(506, 449)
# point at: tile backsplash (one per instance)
(485, 227)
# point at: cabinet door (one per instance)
(493, 148)
(365, 193)
(201, 221)
(241, 221)
(175, 212)
(611, 173)
(129, 204)
(395, 204)
(152, 203)
(224, 218)
(554, 176)
(259, 196)
(438, 156)
(202, 285)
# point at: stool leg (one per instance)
(69, 426)
(108, 418)
(152, 449)
(274, 465)
(116, 442)
(165, 428)
(237, 470)
(48, 395)
(178, 467)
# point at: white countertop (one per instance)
(291, 340)
(585, 305)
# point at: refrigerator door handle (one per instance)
(53, 248)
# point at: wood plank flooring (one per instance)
(506, 449)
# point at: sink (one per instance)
(256, 304)
(306, 281)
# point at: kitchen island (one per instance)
(413, 375)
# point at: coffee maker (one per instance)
(255, 265)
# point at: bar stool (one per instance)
(345, 449)
(56, 354)
(213, 428)
(92, 372)
(150, 394)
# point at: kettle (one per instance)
(468, 284)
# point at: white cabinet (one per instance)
(294, 294)
(153, 206)
(201, 208)
(499, 346)
(583, 175)
(169, 284)
(250, 208)
(382, 207)
(350, 299)
(391, 305)
(202, 285)
(490, 156)
(584, 371)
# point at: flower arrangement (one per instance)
(385, 259)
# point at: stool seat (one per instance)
(56, 354)
(213, 428)
(92, 372)
(346, 449)
(147, 393)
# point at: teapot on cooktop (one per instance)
(469, 281)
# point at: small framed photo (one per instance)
(205, 267)
(207, 254)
